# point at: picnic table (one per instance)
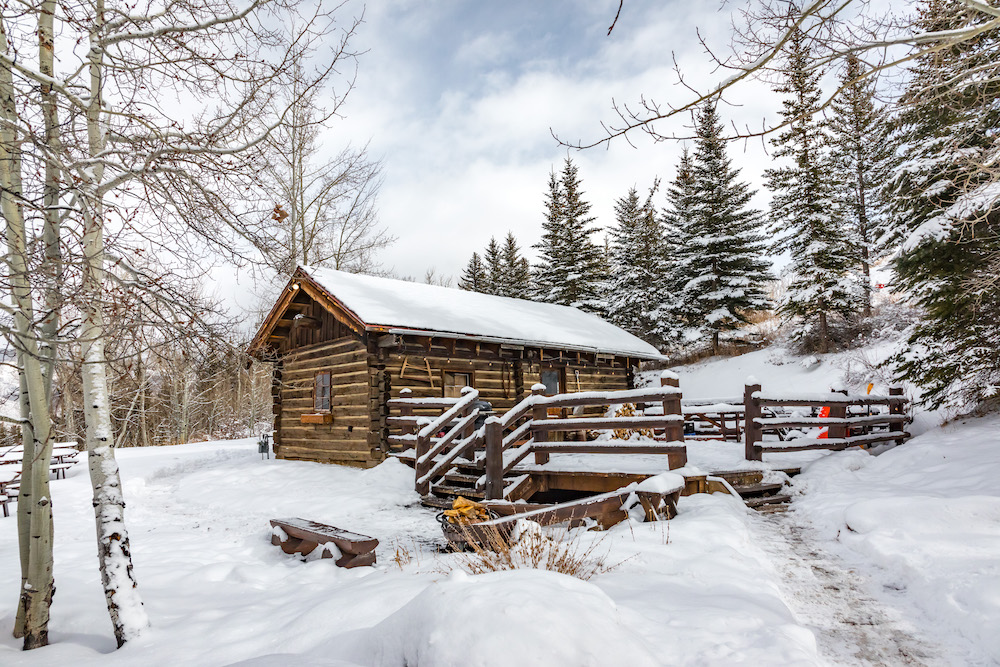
(64, 457)
(9, 480)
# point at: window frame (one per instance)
(329, 391)
(560, 372)
(445, 372)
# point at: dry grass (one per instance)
(529, 548)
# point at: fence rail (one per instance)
(843, 430)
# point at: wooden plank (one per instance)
(606, 423)
(807, 444)
(799, 422)
(819, 403)
(601, 447)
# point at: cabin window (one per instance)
(455, 382)
(321, 391)
(552, 379)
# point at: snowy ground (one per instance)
(893, 559)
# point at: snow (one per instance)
(895, 554)
(924, 520)
(398, 306)
(217, 592)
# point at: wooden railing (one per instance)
(503, 442)
(450, 434)
(532, 435)
(843, 430)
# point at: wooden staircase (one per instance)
(766, 497)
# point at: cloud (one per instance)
(461, 99)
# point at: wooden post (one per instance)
(672, 406)
(494, 459)
(420, 469)
(539, 413)
(752, 433)
(406, 411)
(838, 412)
(896, 409)
(470, 429)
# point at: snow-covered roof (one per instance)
(398, 306)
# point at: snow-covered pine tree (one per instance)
(804, 212)
(945, 210)
(676, 219)
(636, 285)
(724, 259)
(546, 274)
(516, 271)
(571, 270)
(474, 278)
(861, 157)
(493, 262)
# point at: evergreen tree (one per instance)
(945, 210)
(636, 287)
(493, 261)
(804, 211)
(546, 272)
(571, 270)
(861, 157)
(516, 281)
(676, 220)
(724, 252)
(474, 278)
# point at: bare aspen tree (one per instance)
(34, 504)
(123, 163)
(325, 211)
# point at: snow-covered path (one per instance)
(852, 626)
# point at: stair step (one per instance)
(755, 490)
(430, 500)
(454, 476)
(767, 500)
(772, 508)
(446, 490)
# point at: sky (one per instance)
(460, 101)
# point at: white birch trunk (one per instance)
(120, 589)
(34, 505)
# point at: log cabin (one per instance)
(342, 344)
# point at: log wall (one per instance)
(349, 439)
(502, 382)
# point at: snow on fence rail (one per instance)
(843, 431)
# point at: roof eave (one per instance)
(389, 329)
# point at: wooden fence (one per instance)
(845, 428)
(503, 442)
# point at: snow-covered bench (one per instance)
(304, 536)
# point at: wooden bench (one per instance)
(303, 536)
